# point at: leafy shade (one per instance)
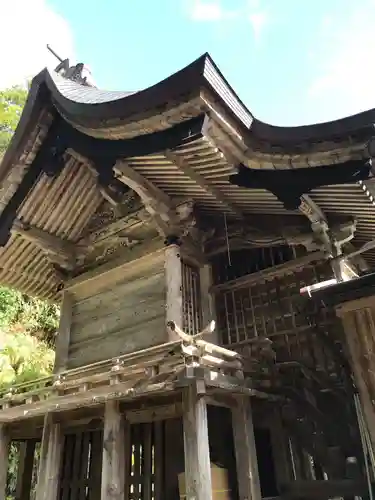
(12, 102)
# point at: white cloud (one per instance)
(344, 57)
(210, 10)
(26, 27)
(258, 21)
(214, 11)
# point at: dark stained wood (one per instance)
(197, 450)
(113, 466)
(246, 457)
(4, 454)
(25, 469)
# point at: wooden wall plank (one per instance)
(113, 466)
(246, 456)
(196, 445)
(126, 317)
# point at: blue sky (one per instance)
(291, 61)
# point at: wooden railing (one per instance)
(146, 372)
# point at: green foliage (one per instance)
(33, 316)
(12, 102)
(27, 325)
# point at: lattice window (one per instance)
(272, 308)
(147, 462)
(81, 466)
(191, 299)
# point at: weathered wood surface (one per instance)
(63, 335)
(4, 454)
(359, 327)
(126, 317)
(25, 470)
(113, 465)
(197, 451)
(173, 277)
(246, 456)
(50, 460)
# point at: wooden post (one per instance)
(25, 469)
(173, 274)
(50, 460)
(246, 456)
(197, 451)
(4, 457)
(63, 336)
(114, 462)
(208, 302)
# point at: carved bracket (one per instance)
(175, 219)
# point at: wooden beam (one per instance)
(173, 276)
(25, 469)
(63, 335)
(246, 455)
(61, 252)
(187, 170)
(154, 199)
(50, 460)
(114, 462)
(4, 458)
(196, 445)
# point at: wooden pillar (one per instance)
(4, 457)
(173, 274)
(50, 460)
(208, 302)
(63, 336)
(25, 470)
(114, 460)
(358, 320)
(196, 446)
(280, 450)
(246, 456)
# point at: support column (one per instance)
(63, 336)
(25, 470)
(246, 456)
(4, 457)
(50, 460)
(173, 274)
(196, 445)
(114, 460)
(208, 302)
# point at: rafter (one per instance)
(187, 170)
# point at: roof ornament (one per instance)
(78, 73)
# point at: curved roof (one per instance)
(184, 135)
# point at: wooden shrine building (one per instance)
(177, 231)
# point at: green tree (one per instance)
(12, 102)
(27, 325)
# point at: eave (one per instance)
(184, 135)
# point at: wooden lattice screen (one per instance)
(81, 466)
(147, 461)
(191, 295)
(271, 308)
